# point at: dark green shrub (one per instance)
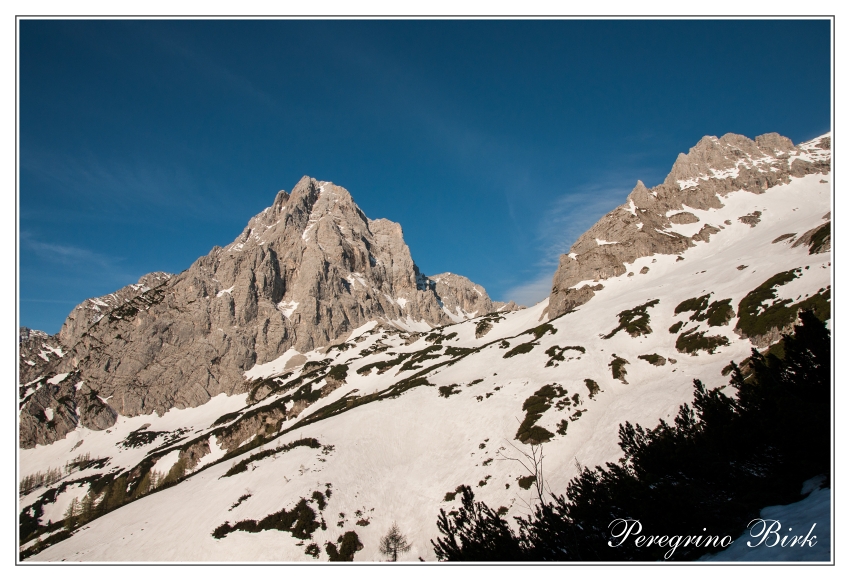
(338, 372)
(349, 544)
(525, 482)
(448, 390)
(618, 368)
(634, 321)
(592, 387)
(653, 358)
(520, 349)
(759, 312)
(691, 341)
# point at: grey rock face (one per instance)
(304, 273)
(38, 351)
(699, 179)
(51, 408)
(91, 311)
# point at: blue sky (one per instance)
(494, 143)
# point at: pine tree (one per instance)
(87, 507)
(71, 514)
(393, 543)
(117, 494)
(144, 486)
(475, 533)
(714, 468)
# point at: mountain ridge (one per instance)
(303, 273)
(699, 180)
(386, 425)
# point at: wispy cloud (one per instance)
(567, 218)
(122, 184)
(575, 211)
(531, 293)
(66, 255)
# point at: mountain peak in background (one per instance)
(304, 273)
(307, 388)
(650, 221)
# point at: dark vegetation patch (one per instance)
(349, 544)
(675, 327)
(654, 359)
(784, 237)
(618, 368)
(242, 465)
(341, 347)
(592, 387)
(382, 366)
(452, 351)
(742, 266)
(448, 390)
(634, 321)
(450, 496)
(239, 501)
(540, 330)
(483, 326)
(300, 521)
(407, 361)
(261, 388)
(474, 382)
(140, 437)
(751, 219)
(761, 311)
(692, 341)
(315, 365)
(556, 353)
(42, 544)
(320, 499)
(313, 550)
(338, 372)
(713, 469)
(534, 407)
(432, 352)
(717, 313)
(226, 418)
(437, 338)
(525, 482)
(820, 239)
(562, 427)
(520, 349)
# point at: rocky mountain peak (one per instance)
(304, 273)
(698, 180)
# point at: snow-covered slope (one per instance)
(401, 419)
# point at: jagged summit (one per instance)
(699, 180)
(305, 272)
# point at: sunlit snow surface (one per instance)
(396, 459)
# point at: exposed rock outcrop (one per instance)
(304, 273)
(700, 179)
(91, 311)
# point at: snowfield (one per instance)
(395, 459)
